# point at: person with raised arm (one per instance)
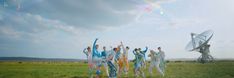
(144, 59)
(97, 58)
(88, 53)
(138, 63)
(119, 61)
(125, 58)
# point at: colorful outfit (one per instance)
(111, 65)
(97, 58)
(125, 59)
(104, 61)
(118, 61)
(139, 57)
(144, 59)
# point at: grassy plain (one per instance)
(80, 70)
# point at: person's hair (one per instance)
(139, 48)
(88, 47)
(159, 47)
(114, 49)
(135, 49)
(96, 45)
(127, 47)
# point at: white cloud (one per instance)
(52, 24)
(68, 26)
(10, 32)
(87, 14)
(35, 24)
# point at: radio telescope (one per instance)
(199, 43)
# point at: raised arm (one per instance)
(124, 49)
(146, 48)
(94, 44)
(85, 51)
(134, 52)
(94, 51)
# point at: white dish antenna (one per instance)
(199, 40)
(199, 43)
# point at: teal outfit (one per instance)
(138, 59)
(110, 63)
(97, 57)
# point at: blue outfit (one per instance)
(138, 59)
(117, 55)
(95, 51)
(103, 54)
(98, 72)
(112, 69)
(96, 56)
(144, 51)
(110, 63)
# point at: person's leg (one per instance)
(110, 69)
(117, 66)
(120, 67)
(154, 65)
(159, 70)
(138, 69)
(142, 72)
(162, 66)
(98, 70)
(91, 70)
(127, 65)
(151, 67)
(135, 71)
(144, 64)
(106, 68)
(112, 73)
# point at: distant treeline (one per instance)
(85, 61)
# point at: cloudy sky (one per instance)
(63, 28)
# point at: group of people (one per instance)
(115, 61)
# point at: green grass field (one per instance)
(79, 70)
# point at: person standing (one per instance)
(144, 59)
(97, 58)
(88, 53)
(138, 63)
(125, 58)
(104, 60)
(110, 63)
(162, 62)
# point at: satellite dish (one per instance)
(199, 43)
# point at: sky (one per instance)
(63, 28)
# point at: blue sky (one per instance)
(62, 28)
